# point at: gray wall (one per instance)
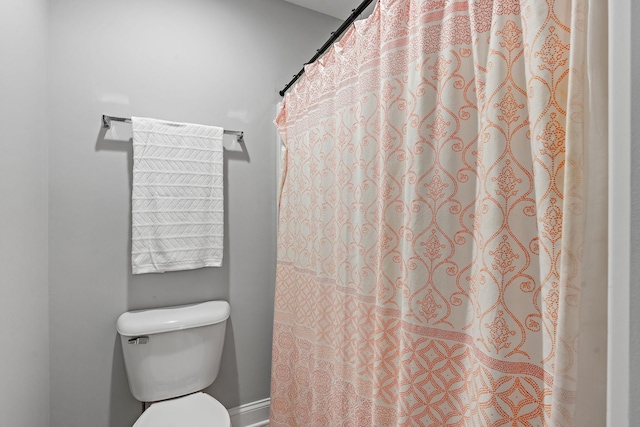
(24, 357)
(635, 214)
(218, 62)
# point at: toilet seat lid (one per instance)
(194, 410)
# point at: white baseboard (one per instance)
(254, 414)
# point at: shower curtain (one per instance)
(432, 235)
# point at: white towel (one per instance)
(177, 200)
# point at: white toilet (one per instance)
(171, 354)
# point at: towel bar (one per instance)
(106, 123)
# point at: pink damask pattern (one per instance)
(425, 276)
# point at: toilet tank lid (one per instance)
(166, 319)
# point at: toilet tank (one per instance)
(173, 351)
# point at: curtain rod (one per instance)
(106, 123)
(334, 36)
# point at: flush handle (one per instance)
(139, 340)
